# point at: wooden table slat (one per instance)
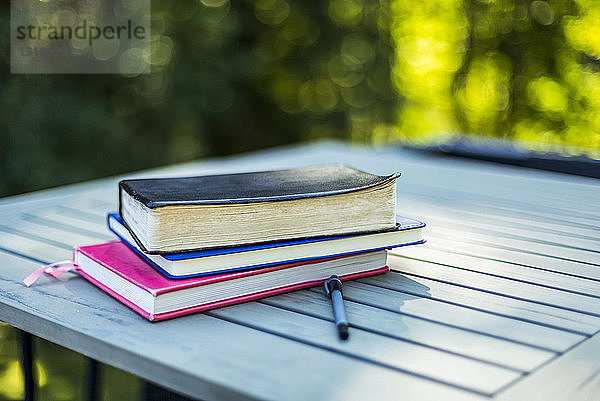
(423, 361)
(33, 249)
(67, 223)
(512, 190)
(558, 252)
(537, 314)
(486, 205)
(525, 259)
(480, 321)
(482, 225)
(572, 376)
(43, 233)
(582, 286)
(497, 219)
(396, 325)
(498, 285)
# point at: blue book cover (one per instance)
(273, 253)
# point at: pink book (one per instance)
(116, 269)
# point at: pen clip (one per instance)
(333, 283)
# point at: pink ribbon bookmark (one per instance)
(65, 266)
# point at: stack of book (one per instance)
(190, 244)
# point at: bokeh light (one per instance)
(227, 77)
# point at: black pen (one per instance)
(333, 288)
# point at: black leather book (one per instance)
(169, 215)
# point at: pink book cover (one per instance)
(121, 260)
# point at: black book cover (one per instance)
(252, 187)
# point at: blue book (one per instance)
(230, 259)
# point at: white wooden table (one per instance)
(503, 302)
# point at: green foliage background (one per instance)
(230, 77)
(236, 76)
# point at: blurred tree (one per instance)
(230, 77)
(225, 78)
(515, 69)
